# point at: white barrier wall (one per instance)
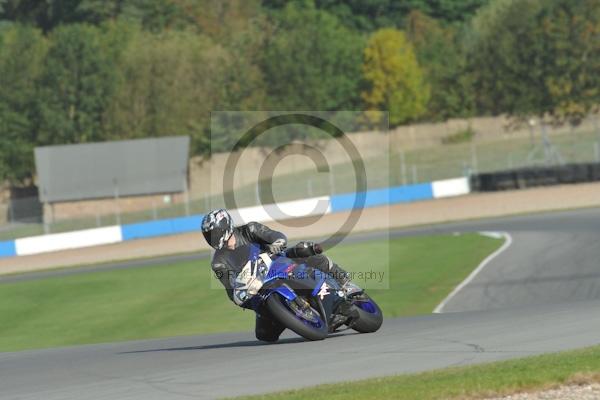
(68, 240)
(285, 210)
(450, 187)
(264, 213)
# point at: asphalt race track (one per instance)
(542, 294)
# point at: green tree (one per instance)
(537, 57)
(395, 80)
(240, 27)
(311, 61)
(171, 82)
(43, 14)
(440, 52)
(77, 85)
(153, 15)
(370, 15)
(571, 32)
(22, 51)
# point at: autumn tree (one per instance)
(395, 80)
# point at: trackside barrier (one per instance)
(298, 208)
(450, 187)
(289, 209)
(161, 227)
(522, 178)
(380, 197)
(68, 240)
(8, 249)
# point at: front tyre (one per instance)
(305, 321)
(370, 316)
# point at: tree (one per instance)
(311, 62)
(571, 32)
(440, 52)
(395, 80)
(43, 14)
(22, 51)
(370, 15)
(171, 82)
(537, 57)
(77, 85)
(240, 27)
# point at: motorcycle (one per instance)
(305, 300)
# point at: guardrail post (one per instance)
(116, 197)
(403, 167)
(474, 161)
(11, 212)
(186, 194)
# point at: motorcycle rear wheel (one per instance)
(281, 310)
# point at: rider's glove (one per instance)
(277, 246)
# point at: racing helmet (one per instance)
(217, 228)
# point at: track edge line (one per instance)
(507, 242)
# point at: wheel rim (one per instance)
(367, 305)
(309, 315)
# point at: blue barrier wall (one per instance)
(340, 202)
(379, 197)
(161, 227)
(8, 249)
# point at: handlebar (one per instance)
(304, 249)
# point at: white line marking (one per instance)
(484, 263)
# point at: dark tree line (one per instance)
(74, 71)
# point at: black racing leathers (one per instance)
(227, 264)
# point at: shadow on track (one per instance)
(244, 343)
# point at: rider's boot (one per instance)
(343, 278)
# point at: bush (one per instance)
(461, 136)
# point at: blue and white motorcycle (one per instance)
(309, 302)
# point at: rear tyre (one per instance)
(308, 322)
(370, 316)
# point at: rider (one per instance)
(232, 245)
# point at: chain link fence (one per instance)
(25, 216)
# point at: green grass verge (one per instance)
(177, 299)
(499, 378)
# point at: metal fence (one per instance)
(24, 216)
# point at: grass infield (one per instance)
(177, 299)
(473, 382)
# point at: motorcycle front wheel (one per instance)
(305, 321)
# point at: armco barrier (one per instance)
(297, 208)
